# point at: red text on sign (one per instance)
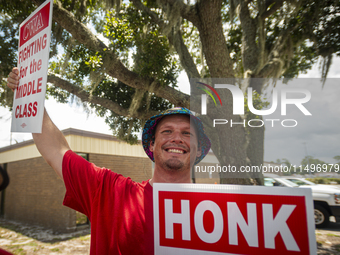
(33, 48)
(35, 66)
(30, 88)
(26, 110)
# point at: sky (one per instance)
(317, 136)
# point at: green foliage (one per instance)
(309, 160)
(311, 165)
(234, 44)
(321, 180)
(191, 38)
(285, 162)
(304, 58)
(318, 180)
(319, 22)
(133, 30)
(337, 158)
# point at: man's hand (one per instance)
(51, 143)
(13, 79)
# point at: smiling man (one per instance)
(121, 210)
(174, 145)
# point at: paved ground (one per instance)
(25, 240)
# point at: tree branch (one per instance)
(87, 97)
(275, 60)
(249, 45)
(175, 39)
(213, 40)
(274, 8)
(111, 63)
(188, 12)
(187, 62)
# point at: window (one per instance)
(83, 155)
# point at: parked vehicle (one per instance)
(303, 182)
(326, 199)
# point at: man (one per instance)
(120, 210)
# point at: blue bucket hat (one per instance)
(149, 131)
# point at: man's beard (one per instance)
(173, 165)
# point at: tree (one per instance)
(313, 165)
(206, 38)
(287, 165)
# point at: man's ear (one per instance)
(199, 152)
(151, 146)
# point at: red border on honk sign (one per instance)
(232, 219)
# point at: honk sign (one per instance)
(33, 56)
(231, 219)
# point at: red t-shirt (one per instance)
(120, 210)
(3, 252)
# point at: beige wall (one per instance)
(35, 195)
(138, 169)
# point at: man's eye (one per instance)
(166, 131)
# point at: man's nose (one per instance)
(177, 137)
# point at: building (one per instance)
(35, 193)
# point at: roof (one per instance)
(79, 141)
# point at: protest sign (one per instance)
(34, 45)
(232, 219)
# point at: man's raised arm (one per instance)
(51, 143)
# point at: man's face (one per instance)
(175, 144)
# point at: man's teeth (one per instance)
(175, 151)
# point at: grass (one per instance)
(10, 227)
(81, 218)
(85, 238)
(333, 235)
(19, 251)
(337, 247)
(32, 244)
(55, 249)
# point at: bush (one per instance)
(321, 180)
(337, 180)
